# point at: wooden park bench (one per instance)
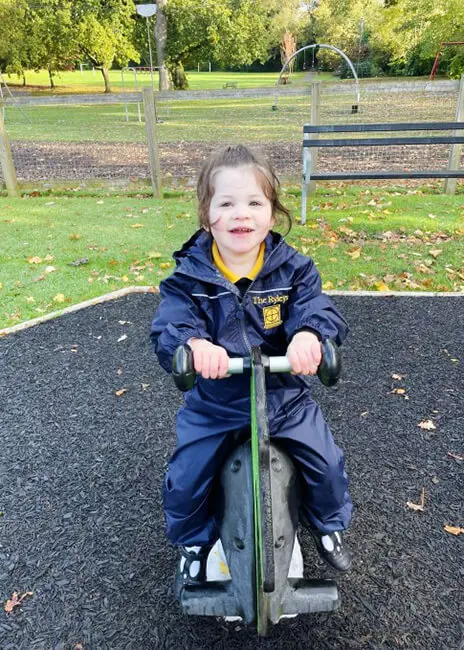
(311, 143)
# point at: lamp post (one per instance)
(147, 11)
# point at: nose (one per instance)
(241, 212)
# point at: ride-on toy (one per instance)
(258, 513)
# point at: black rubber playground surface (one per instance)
(81, 472)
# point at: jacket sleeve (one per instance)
(177, 319)
(309, 308)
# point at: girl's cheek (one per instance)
(215, 220)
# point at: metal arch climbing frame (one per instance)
(327, 47)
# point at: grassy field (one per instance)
(92, 82)
(60, 250)
(215, 120)
(204, 120)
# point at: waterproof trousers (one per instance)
(190, 482)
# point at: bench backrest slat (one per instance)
(402, 126)
(378, 142)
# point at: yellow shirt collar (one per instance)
(227, 273)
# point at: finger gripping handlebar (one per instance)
(184, 375)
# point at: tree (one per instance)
(53, 36)
(225, 31)
(161, 37)
(104, 33)
(413, 29)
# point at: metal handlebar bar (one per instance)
(184, 374)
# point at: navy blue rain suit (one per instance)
(285, 297)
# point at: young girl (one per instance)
(238, 284)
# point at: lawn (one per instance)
(59, 250)
(90, 81)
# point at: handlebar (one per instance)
(184, 374)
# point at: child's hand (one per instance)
(304, 353)
(210, 360)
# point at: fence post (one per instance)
(6, 160)
(455, 151)
(152, 140)
(315, 120)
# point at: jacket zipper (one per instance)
(242, 323)
(240, 298)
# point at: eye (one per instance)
(225, 204)
(255, 203)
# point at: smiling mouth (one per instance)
(240, 231)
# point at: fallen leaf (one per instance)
(49, 269)
(30, 299)
(428, 425)
(355, 254)
(82, 260)
(435, 480)
(119, 371)
(122, 338)
(165, 265)
(327, 286)
(120, 392)
(59, 297)
(398, 391)
(74, 236)
(454, 530)
(137, 225)
(16, 600)
(125, 278)
(34, 260)
(456, 456)
(145, 386)
(153, 255)
(398, 377)
(420, 505)
(435, 253)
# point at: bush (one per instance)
(366, 68)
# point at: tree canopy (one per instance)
(380, 36)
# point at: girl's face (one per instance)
(240, 214)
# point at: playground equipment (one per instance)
(443, 44)
(10, 95)
(136, 70)
(257, 513)
(355, 107)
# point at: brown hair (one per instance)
(237, 156)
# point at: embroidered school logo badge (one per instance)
(272, 316)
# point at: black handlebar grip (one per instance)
(183, 370)
(331, 364)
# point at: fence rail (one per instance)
(79, 140)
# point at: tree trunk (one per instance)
(178, 76)
(106, 78)
(161, 35)
(24, 79)
(50, 74)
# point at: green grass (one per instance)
(88, 81)
(361, 239)
(206, 121)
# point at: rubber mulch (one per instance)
(81, 472)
